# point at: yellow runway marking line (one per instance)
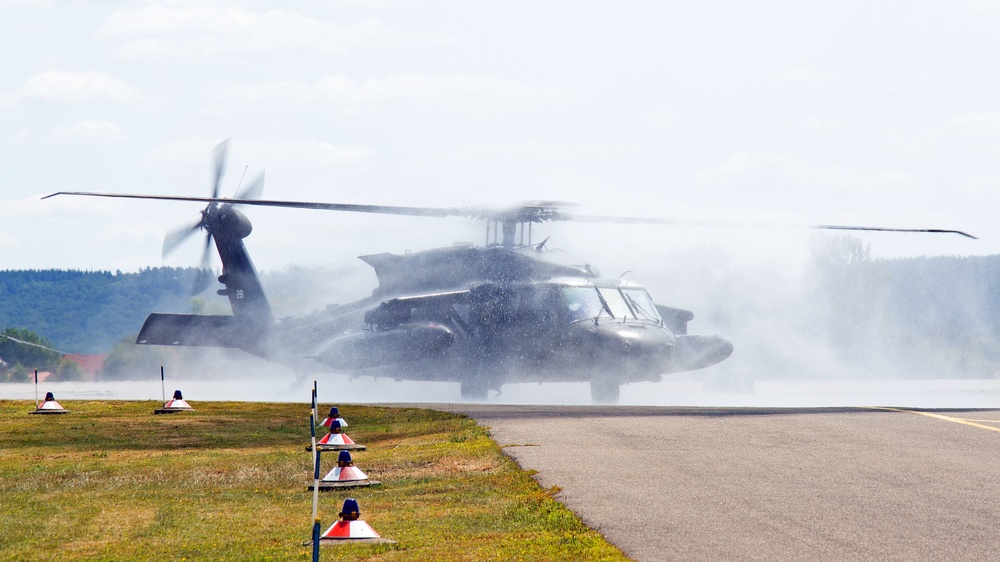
(982, 421)
(973, 423)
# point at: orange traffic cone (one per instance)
(345, 475)
(333, 415)
(49, 406)
(350, 527)
(337, 440)
(174, 405)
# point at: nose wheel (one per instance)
(605, 391)
(475, 391)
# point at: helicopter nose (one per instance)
(641, 344)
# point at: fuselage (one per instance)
(564, 329)
(482, 316)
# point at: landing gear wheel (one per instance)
(474, 390)
(605, 392)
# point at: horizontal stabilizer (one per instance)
(698, 352)
(199, 330)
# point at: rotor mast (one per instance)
(512, 227)
(508, 233)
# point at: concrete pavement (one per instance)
(753, 483)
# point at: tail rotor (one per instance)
(212, 218)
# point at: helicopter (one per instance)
(482, 316)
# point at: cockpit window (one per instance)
(566, 304)
(583, 303)
(619, 309)
(641, 304)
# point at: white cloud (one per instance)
(306, 154)
(897, 177)
(91, 130)
(540, 147)
(19, 135)
(192, 33)
(785, 189)
(76, 87)
(801, 73)
(36, 4)
(452, 88)
(292, 154)
(8, 240)
(737, 164)
(753, 177)
(821, 124)
(33, 206)
(976, 122)
(661, 116)
(188, 151)
(982, 6)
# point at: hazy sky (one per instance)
(839, 112)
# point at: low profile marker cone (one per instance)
(49, 406)
(345, 475)
(350, 527)
(337, 440)
(174, 405)
(334, 415)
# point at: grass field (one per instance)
(111, 481)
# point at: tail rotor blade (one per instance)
(204, 276)
(252, 190)
(201, 281)
(206, 254)
(174, 238)
(220, 165)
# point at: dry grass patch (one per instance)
(111, 481)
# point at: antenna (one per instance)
(245, 168)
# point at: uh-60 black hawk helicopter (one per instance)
(481, 316)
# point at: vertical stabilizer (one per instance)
(243, 288)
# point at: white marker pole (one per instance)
(312, 430)
(163, 386)
(37, 404)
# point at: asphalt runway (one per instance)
(667, 483)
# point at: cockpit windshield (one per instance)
(615, 303)
(641, 304)
(567, 304)
(583, 303)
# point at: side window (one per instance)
(583, 302)
(497, 308)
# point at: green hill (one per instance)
(89, 311)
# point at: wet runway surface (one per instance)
(668, 483)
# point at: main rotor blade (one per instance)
(516, 214)
(347, 207)
(220, 165)
(681, 222)
(174, 238)
(252, 190)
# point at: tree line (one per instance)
(50, 313)
(88, 312)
